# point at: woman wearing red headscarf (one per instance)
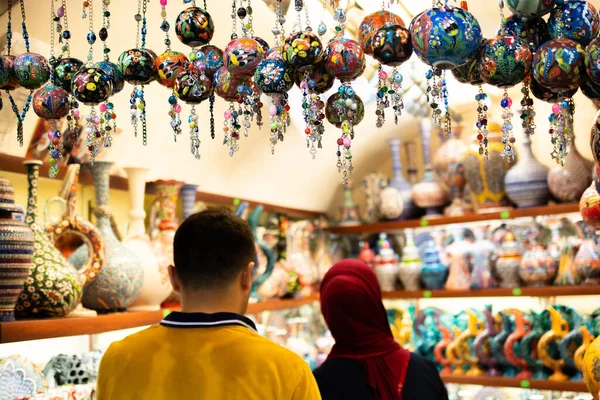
(366, 362)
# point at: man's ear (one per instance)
(246, 276)
(174, 279)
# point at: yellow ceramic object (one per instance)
(459, 351)
(580, 352)
(591, 368)
(455, 354)
(406, 327)
(559, 330)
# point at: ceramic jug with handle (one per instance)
(511, 346)
(587, 339)
(474, 328)
(497, 344)
(440, 349)
(267, 251)
(482, 343)
(560, 329)
(528, 345)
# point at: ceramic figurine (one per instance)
(399, 183)
(482, 343)
(409, 269)
(54, 287)
(587, 339)
(591, 368)
(16, 252)
(559, 330)
(538, 267)
(526, 182)
(577, 20)
(187, 193)
(349, 210)
(267, 252)
(509, 262)
(587, 260)
(372, 186)
(440, 349)
(119, 283)
(386, 265)
(486, 177)
(460, 255)
(497, 345)
(528, 344)
(567, 183)
(428, 193)
(512, 344)
(484, 258)
(433, 272)
(366, 254)
(156, 285)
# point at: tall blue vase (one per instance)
(187, 193)
(398, 182)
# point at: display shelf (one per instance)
(544, 291)
(14, 164)
(566, 386)
(20, 331)
(420, 223)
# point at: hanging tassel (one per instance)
(482, 122)
(508, 139)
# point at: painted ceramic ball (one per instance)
(589, 207)
(65, 71)
(445, 37)
(392, 45)
(266, 47)
(592, 60)
(547, 95)
(51, 102)
(213, 59)
(533, 31)
(469, 73)
(352, 108)
(112, 70)
(505, 61)
(242, 56)
(137, 66)
(91, 86)
(559, 65)
(344, 59)
(168, 65)
(589, 88)
(371, 24)
(9, 62)
(274, 76)
(5, 72)
(226, 84)
(302, 49)
(319, 80)
(32, 70)
(194, 27)
(595, 139)
(192, 88)
(530, 8)
(577, 20)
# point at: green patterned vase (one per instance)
(53, 287)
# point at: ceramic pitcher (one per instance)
(512, 343)
(560, 328)
(156, 285)
(483, 340)
(16, 252)
(119, 283)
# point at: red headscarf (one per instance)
(352, 307)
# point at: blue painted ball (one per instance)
(559, 65)
(274, 76)
(505, 61)
(112, 70)
(577, 20)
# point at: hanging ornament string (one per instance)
(561, 125)
(508, 139)
(137, 92)
(298, 6)
(482, 122)
(108, 121)
(322, 28)
(527, 111)
(231, 125)
(73, 113)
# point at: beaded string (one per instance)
(482, 122)
(108, 121)
(561, 126)
(20, 115)
(527, 111)
(249, 99)
(137, 100)
(174, 106)
(434, 93)
(93, 129)
(73, 115)
(313, 115)
(55, 146)
(383, 98)
(508, 139)
(322, 28)
(231, 125)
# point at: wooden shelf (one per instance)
(545, 291)
(420, 223)
(20, 331)
(567, 386)
(15, 164)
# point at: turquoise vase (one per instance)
(119, 283)
(433, 272)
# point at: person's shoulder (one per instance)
(272, 352)
(346, 366)
(421, 364)
(423, 380)
(133, 343)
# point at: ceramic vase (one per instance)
(587, 262)
(589, 206)
(567, 183)
(372, 186)
(409, 270)
(156, 285)
(509, 262)
(16, 252)
(429, 193)
(497, 345)
(482, 343)
(461, 259)
(528, 345)
(558, 331)
(54, 287)
(409, 209)
(119, 283)
(526, 183)
(433, 272)
(511, 346)
(538, 267)
(486, 177)
(349, 211)
(386, 265)
(188, 200)
(448, 166)
(482, 274)
(567, 274)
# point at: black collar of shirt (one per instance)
(201, 320)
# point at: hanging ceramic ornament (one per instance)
(344, 59)
(589, 206)
(577, 20)
(226, 87)
(505, 62)
(32, 70)
(530, 8)
(547, 95)
(391, 47)
(371, 24)
(8, 63)
(595, 139)
(242, 56)
(589, 88)
(65, 71)
(533, 31)
(592, 60)
(302, 49)
(213, 59)
(194, 27)
(168, 66)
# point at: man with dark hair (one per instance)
(209, 350)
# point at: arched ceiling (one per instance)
(290, 177)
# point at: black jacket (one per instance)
(344, 379)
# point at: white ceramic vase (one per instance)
(156, 286)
